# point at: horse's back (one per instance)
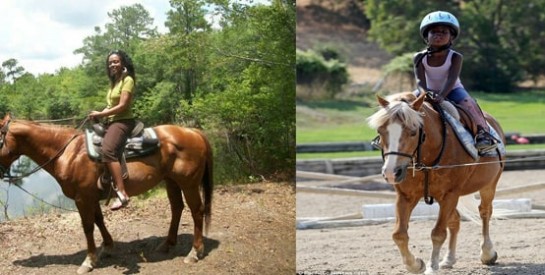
(175, 139)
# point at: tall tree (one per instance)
(251, 89)
(188, 30)
(128, 27)
(12, 70)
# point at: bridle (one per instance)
(3, 132)
(417, 151)
(416, 156)
(4, 171)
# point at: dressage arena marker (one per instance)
(383, 213)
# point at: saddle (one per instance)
(141, 142)
(465, 128)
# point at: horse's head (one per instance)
(7, 153)
(399, 125)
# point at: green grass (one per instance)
(344, 120)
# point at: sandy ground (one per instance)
(252, 233)
(371, 250)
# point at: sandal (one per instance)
(120, 202)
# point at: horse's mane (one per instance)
(397, 109)
(56, 129)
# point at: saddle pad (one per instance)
(135, 147)
(466, 138)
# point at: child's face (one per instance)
(439, 35)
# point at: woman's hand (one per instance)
(95, 115)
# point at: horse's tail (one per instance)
(208, 184)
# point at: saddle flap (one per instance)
(145, 144)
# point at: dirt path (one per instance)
(252, 233)
(371, 250)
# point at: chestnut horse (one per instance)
(183, 161)
(410, 135)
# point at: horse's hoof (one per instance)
(194, 255)
(191, 259)
(84, 269)
(420, 269)
(492, 260)
(447, 264)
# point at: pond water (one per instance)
(41, 185)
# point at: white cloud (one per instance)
(43, 34)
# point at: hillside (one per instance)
(343, 25)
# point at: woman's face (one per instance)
(114, 65)
(439, 35)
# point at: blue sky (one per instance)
(43, 34)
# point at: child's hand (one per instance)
(436, 97)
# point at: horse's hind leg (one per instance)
(488, 253)
(193, 199)
(176, 207)
(453, 227)
(404, 208)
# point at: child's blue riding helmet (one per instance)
(439, 18)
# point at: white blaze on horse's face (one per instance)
(391, 165)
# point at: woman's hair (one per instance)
(126, 62)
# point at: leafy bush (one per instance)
(314, 70)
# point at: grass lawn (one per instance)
(344, 120)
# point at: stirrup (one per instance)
(487, 148)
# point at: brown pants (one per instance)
(115, 138)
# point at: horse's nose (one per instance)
(400, 172)
(396, 175)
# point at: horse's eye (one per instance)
(413, 133)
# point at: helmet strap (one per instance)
(431, 50)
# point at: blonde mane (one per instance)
(398, 109)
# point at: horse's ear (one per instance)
(418, 102)
(7, 118)
(383, 102)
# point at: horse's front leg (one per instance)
(453, 227)
(107, 243)
(439, 232)
(488, 253)
(86, 211)
(404, 207)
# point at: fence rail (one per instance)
(359, 146)
(361, 167)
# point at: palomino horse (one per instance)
(184, 162)
(410, 135)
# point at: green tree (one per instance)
(501, 40)
(11, 70)
(128, 27)
(250, 103)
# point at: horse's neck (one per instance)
(433, 128)
(39, 142)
